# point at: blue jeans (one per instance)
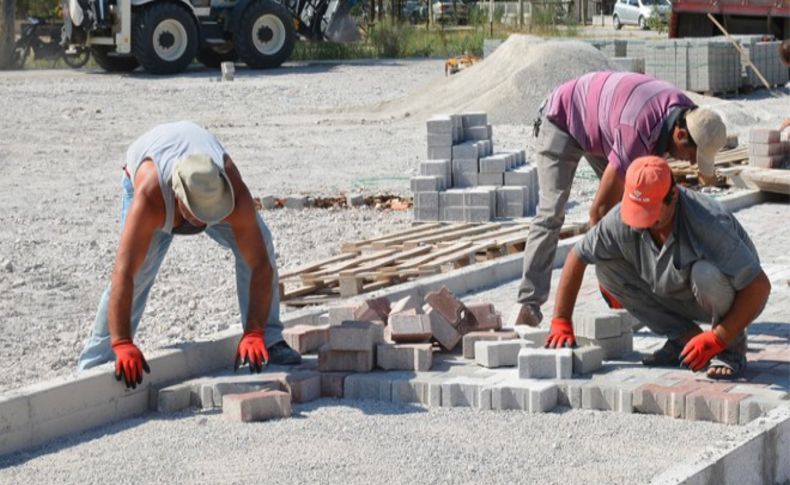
(97, 349)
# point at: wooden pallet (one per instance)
(426, 249)
(724, 159)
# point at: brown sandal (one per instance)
(666, 356)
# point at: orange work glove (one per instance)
(561, 334)
(700, 349)
(129, 363)
(252, 350)
(609, 298)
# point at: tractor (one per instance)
(165, 36)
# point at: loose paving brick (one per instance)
(342, 360)
(332, 384)
(174, 398)
(587, 359)
(614, 347)
(442, 330)
(371, 387)
(340, 314)
(607, 397)
(416, 357)
(599, 325)
(470, 338)
(373, 309)
(304, 386)
(306, 338)
(482, 316)
(712, 405)
(410, 302)
(447, 305)
(538, 363)
(493, 354)
(466, 392)
(353, 335)
(410, 328)
(523, 394)
(256, 406)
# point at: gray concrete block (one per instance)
(426, 200)
(492, 179)
(438, 168)
(754, 407)
(537, 336)
(268, 202)
(465, 180)
(339, 314)
(587, 359)
(373, 386)
(439, 153)
(477, 118)
(355, 200)
(451, 198)
(465, 165)
(776, 161)
(466, 392)
(174, 398)
(616, 347)
(766, 149)
(493, 354)
(477, 133)
(607, 397)
(452, 214)
(494, 164)
(471, 338)
(414, 357)
(511, 201)
(405, 328)
(303, 386)
(466, 150)
(423, 389)
(341, 360)
(443, 331)
(296, 202)
(440, 139)
(539, 363)
(598, 325)
(523, 394)
(353, 335)
(306, 338)
(477, 214)
(426, 183)
(440, 124)
(481, 197)
(569, 392)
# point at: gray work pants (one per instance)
(710, 298)
(557, 157)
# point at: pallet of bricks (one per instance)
(426, 249)
(764, 54)
(704, 65)
(769, 148)
(463, 179)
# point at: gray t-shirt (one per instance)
(703, 229)
(166, 143)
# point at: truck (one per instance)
(166, 36)
(689, 17)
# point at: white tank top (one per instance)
(166, 143)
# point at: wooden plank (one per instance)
(400, 240)
(387, 261)
(452, 257)
(416, 262)
(356, 245)
(454, 235)
(302, 291)
(309, 267)
(503, 232)
(347, 264)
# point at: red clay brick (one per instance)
(341, 360)
(373, 309)
(332, 383)
(447, 305)
(482, 316)
(306, 338)
(304, 386)
(709, 404)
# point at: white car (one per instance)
(637, 12)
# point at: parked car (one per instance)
(415, 11)
(637, 12)
(447, 11)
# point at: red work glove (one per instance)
(561, 334)
(129, 362)
(609, 298)
(252, 350)
(700, 349)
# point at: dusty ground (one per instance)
(305, 128)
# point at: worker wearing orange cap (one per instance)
(673, 258)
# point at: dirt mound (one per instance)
(509, 85)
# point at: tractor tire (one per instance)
(214, 56)
(164, 38)
(266, 36)
(102, 54)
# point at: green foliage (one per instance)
(317, 51)
(389, 38)
(654, 21)
(553, 18)
(37, 8)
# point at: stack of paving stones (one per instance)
(713, 66)
(464, 180)
(414, 342)
(668, 60)
(767, 149)
(765, 57)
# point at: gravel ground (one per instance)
(306, 128)
(362, 442)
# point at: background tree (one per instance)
(6, 33)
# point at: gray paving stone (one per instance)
(416, 357)
(443, 331)
(540, 363)
(470, 338)
(353, 335)
(493, 354)
(605, 397)
(599, 325)
(405, 328)
(373, 386)
(174, 398)
(587, 359)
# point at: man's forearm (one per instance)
(120, 307)
(745, 307)
(260, 297)
(570, 282)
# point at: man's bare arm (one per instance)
(145, 216)
(570, 283)
(610, 192)
(745, 308)
(252, 247)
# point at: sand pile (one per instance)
(509, 85)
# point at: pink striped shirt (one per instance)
(618, 115)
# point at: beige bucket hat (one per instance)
(203, 188)
(709, 133)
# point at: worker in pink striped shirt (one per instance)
(611, 119)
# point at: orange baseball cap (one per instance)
(647, 182)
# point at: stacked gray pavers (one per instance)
(714, 66)
(465, 180)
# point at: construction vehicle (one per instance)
(689, 17)
(165, 36)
